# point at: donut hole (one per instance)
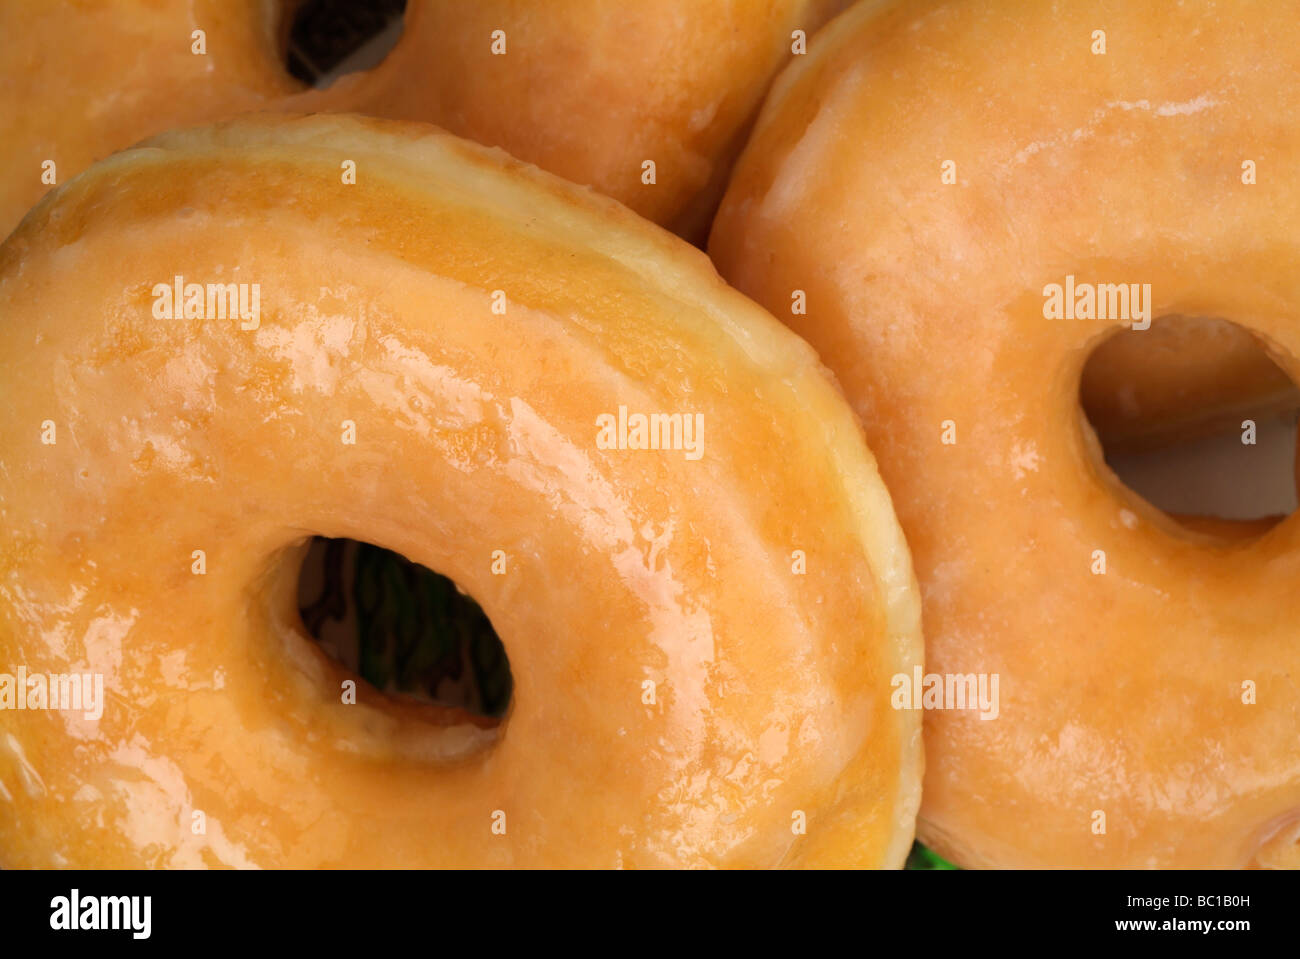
(1217, 458)
(401, 628)
(325, 39)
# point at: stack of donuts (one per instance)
(747, 366)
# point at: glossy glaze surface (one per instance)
(592, 90)
(476, 431)
(79, 81)
(587, 89)
(1122, 692)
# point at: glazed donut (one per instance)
(475, 323)
(1147, 673)
(587, 89)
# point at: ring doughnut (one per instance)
(1149, 713)
(584, 88)
(733, 708)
